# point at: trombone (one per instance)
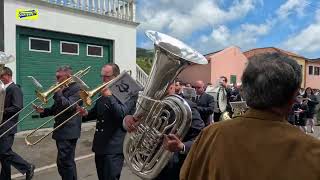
(85, 96)
(43, 97)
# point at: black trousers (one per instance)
(65, 160)
(172, 170)
(216, 117)
(8, 158)
(109, 166)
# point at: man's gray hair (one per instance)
(115, 68)
(66, 69)
(270, 80)
(6, 71)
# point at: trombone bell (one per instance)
(85, 96)
(43, 97)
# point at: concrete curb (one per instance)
(51, 166)
(84, 127)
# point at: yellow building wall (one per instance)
(302, 62)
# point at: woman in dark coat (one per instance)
(312, 102)
(299, 110)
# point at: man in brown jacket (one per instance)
(260, 144)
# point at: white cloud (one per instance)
(146, 44)
(221, 35)
(261, 29)
(245, 37)
(248, 35)
(307, 40)
(180, 18)
(292, 6)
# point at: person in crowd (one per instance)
(178, 88)
(223, 87)
(13, 103)
(235, 94)
(300, 109)
(301, 91)
(204, 101)
(109, 112)
(260, 144)
(312, 102)
(183, 85)
(66, 136)
(317, 109)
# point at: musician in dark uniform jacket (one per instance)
(108, 138)
(181, 147)
(235, 94)
(178, 88)
(13, 104)
(67, 135)
(172, 143)
(205, 102)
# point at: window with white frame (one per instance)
(39, 45)
(94, 51)
(310, 70)
(69, 48)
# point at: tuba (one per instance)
(219, 94)
(4, 59)
(158, 113)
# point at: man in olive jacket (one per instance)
(260, 144)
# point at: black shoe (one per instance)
(30, 172)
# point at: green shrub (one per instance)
(145, 64)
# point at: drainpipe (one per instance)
(1, 25)
(305, 73)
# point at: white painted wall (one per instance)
(74, 22)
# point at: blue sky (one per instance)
(211, 25)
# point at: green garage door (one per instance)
(40, 52)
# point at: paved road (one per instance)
(86, 171)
